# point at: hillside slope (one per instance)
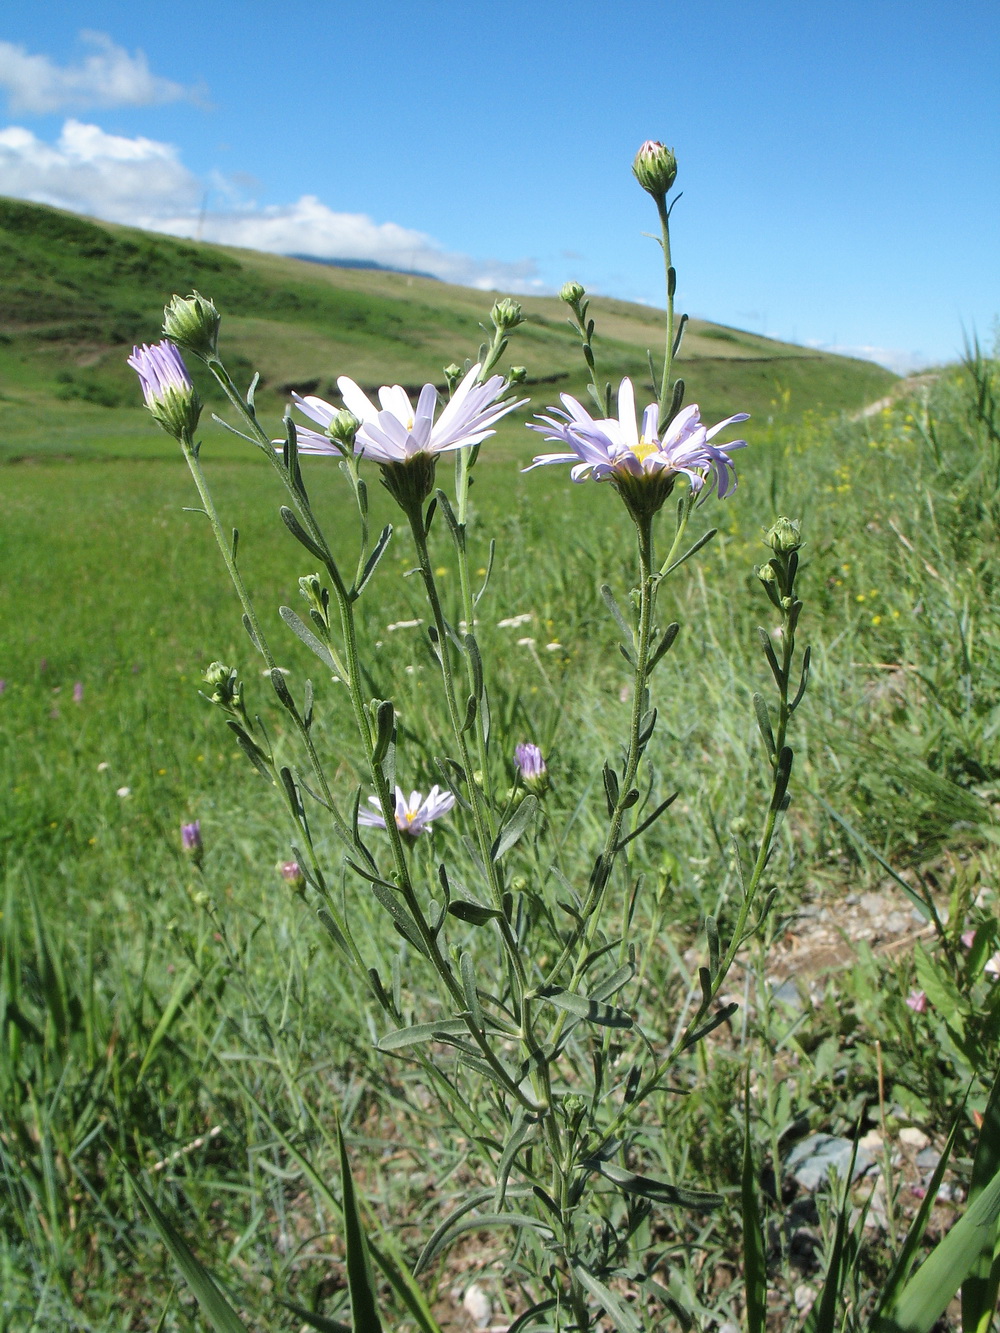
(75, 294)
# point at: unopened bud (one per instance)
(783, 537)
(192, 322)
(507, 314)
(655, 168)
(226, 688)
(517, 374)
(343, 428)
(291, 873)
(572, 293)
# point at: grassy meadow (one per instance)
(196, 1030)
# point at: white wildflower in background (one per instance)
(413, 815)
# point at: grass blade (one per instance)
(980, 1288)
(924, 1298)
(216, 1309)
(360, 1281)
(754, 1262)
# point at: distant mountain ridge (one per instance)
(369, 265)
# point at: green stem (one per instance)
(591, 911)
(668, 355)
(738, 936)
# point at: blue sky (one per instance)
(838, 161)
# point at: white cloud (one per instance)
(143, 182)
(109, 76)
(88, 171)
(309, 227)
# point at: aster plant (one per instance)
(533, 1042)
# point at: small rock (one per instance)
(787, 993)
(927, 1160)
(872, 1142)
(913, 1137)
(811, 1161)
(803, 1298)
(477, 1305)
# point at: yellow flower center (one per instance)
(644, 448)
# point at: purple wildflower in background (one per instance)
(78, 692)
(3, 686)
(191, 840)
(413, 815)
(530, 763)
(396, 431)
(616, 449)
(917, 1001)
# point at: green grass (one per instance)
(143, 1004)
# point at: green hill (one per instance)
(75, 294)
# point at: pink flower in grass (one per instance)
(917, 1001)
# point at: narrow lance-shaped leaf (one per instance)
(611, 602)
(582, 1006)
(648, 1188)
(616, 1310)
(764, 724)
(299, 533)
(515, 827)
(372, 562)
(692, 550)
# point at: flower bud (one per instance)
(784, 537)
(655, 168)
(572, 293)
(343, 428)
(291, 873)
(166, 386)
(192, 322)
(517, 374)
(226, 688)
(453, 374)
(507, 314)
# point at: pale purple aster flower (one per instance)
(167, 388)
(528, 758)
(613, 449)
(396, 431)
(191, 840)
(917, 1001)
(413, 815)
(78, 692)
